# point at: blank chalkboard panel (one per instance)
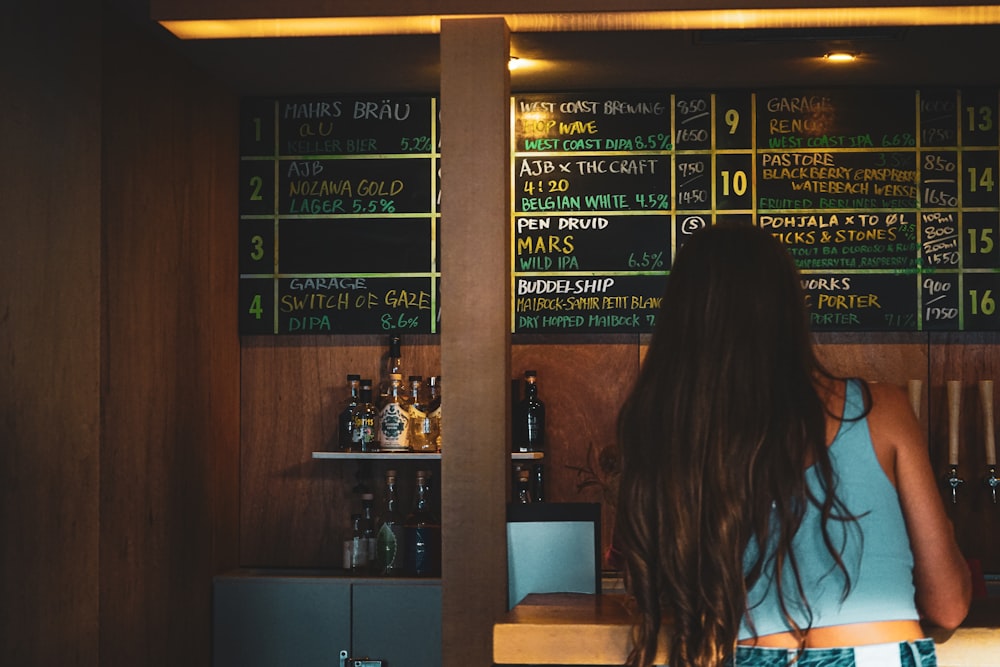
(887, 199)
(339, 215)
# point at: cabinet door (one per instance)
(398, 623)
(280, 621)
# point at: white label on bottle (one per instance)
(392, 428)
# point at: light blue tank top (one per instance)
(881, 572)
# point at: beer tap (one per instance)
(986, 397)
(954, 410)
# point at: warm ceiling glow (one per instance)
(841, 57)
(709, 19)
(516, 63)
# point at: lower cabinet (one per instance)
(268, 620)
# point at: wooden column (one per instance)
(475, 332)
(50, 333)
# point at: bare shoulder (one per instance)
(894, 428)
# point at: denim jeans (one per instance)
(919, 653)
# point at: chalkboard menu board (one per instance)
(886, 198)
(339, 215)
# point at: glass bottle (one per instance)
(364, 436)
(392, 365)
(529, 432)
(390, 543)
(368, 529)
(434, 410)
(523, 486)
(538, 483)
(423, 533)
(358, 550)
(421, 439)
(394, 418)
(345, 425)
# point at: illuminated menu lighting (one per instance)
(841, 57)
(711, 19)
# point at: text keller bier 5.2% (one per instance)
(529, 427)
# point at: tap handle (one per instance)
(992, 482)
(954, 481)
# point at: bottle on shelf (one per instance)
(345, 425)
(394, 418)
(538, 483)
(355, 551)
(391, 365)
(368, 529)
(421, 437)
(423, 533)
(365, 416)
(390, 543)
(529, 418)
(434, 410)
(523, 486)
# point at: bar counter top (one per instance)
(581, 629)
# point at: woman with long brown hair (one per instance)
(770, 511)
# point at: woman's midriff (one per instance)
(855, 634)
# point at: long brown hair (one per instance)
(716, 436)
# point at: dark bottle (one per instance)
(345, 426)
(538, 483)
(434, 410)
(529, 427)
(392, 365)
(390, 543)
(423, 533)
(364, 436)
(368, 529)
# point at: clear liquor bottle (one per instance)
(345, 425)
(423, 533)
(529, 431)
(358, 546)
(390, 543)
(365, 416)
(421, 432)
(392, 365)
(394, 418)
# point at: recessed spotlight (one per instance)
(841, 56)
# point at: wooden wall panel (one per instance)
(583, 381)
(967, 358)
(170, 383)
(50, 333)
(295, 510)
